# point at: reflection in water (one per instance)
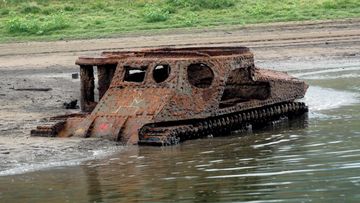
(197, 170)
(93, 184)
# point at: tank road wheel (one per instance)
(252, 115)
(296, 107)
(259, 112)
(235, 119)
(198, 131)
(174, 138)
(240, 121)
(256, 115)
(288, 105)
(206, 125)
(195, 130)
(232, 122)
(219, 126)
(207, 128)
(263, 115)
(283, 110)
(291, 107)
(243, 116)
(215, 124)
(240, 118)
(199, 127)
(224, 125)
(211, 127)
(220, 122)
(278, 110)
(168, 141)
(215, 127)
(190, 132)
(267, 113)
(228, 124)
(177, 132)
(300, 106)
(248, 116)
(272, 111)
(183, 132)
(227, 121)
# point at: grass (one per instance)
(33, 25)
(59, 19)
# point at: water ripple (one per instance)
(318, 98)
(265, 174)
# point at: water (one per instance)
(311, 159)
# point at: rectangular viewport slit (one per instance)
(135, 74)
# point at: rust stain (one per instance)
(164, 96)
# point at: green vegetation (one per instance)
(59, 19)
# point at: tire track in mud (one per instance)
(341, 37)
(256, 36)
(319, 39)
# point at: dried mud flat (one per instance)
(282, 46)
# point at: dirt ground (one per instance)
(281, 46)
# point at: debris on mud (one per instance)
(40, 89)
(75, 75)
(71, 105)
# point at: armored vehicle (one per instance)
(167, 95)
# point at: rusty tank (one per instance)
(168, 95)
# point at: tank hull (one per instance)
(165, 96)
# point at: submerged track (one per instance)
(165, 134)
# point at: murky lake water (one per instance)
(315, 158)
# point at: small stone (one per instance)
(75, 75)
(71, 105)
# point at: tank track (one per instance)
(51, 127)
(172, 134)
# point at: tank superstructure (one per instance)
(164, 96)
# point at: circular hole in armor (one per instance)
(200, 75)
(161, 73)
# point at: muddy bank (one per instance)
(288, 47)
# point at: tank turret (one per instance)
(164, 96)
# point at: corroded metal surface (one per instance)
(163, 96)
